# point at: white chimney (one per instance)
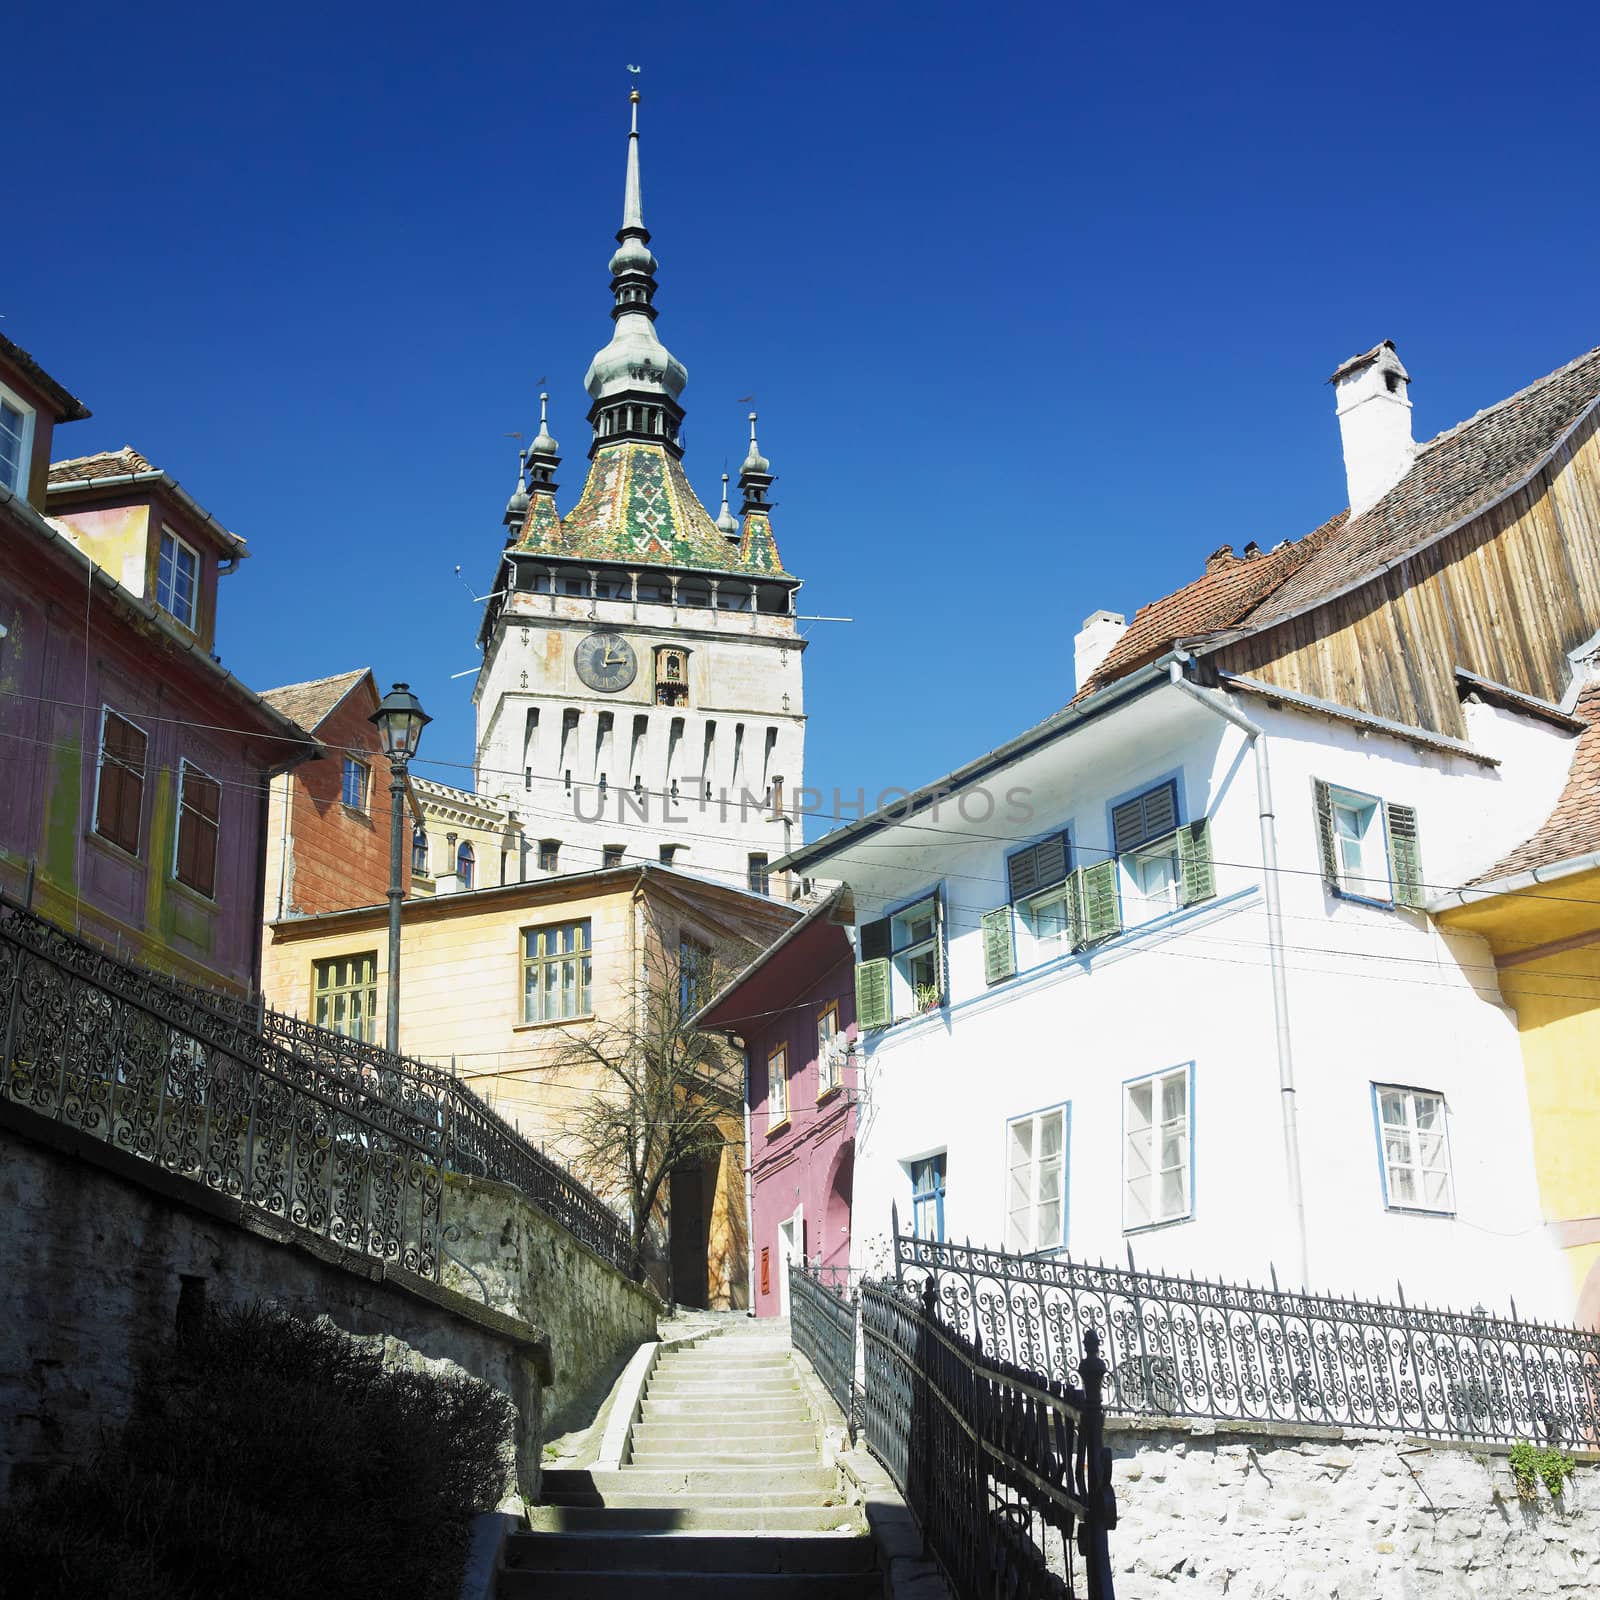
(1374, 423)
(1094, 643)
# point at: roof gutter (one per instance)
(1037, 737)
(152, 615)
(235, 544)
(1220, 706)
(1516, 882)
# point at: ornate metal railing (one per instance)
(167, 1070)
(822, 1327)
(1005, 1471)
(123, 1056)
(1185, 1347)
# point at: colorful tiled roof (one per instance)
(1573, 827)
(310, 703)
(1224, 594)
(637, 506)
(1454, 477)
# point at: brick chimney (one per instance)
(1371, 391)
(1094, 643)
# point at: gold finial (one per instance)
(633, 96)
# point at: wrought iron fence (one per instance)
(151, 1064)
(822, 1327)
(1005, 1471)
(1185, 1347)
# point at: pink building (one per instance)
(794, 1009)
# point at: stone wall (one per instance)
(505, 1250)
(97, 1246)
(1211, 1509)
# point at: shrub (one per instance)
(270, 1457)
(1531, 1465)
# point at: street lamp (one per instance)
(400, 720)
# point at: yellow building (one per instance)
(1539, 911)
(500, 983)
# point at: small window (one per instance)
(757, 875)
(16, 441)
(466, 864)
(669, 854)
(1153, 880)
(199, 813)
(1156, 1166)
(777, 1087)
(611, 855)
(916, 935)
(927, 1197)
(1036, 1184)
(672, 678)
(119, 790)
(1145, 817)
(356, 784)
(1050, 920)
(1416, 1149)
(177, 578)
(556, 972)
(831, 1048)
(549, 855)
(419, 850)
(345, 992)
(694, 973)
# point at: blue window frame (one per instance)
(466, 863)
(419, 849)
(356, 782)
(927, 1196)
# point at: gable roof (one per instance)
(106, 468)
(1573, 827)
(311, 703)
(68, 408)
(1453, 477)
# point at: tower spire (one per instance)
(635, 380)
(543, 454)
(726, 521)
(755, 476)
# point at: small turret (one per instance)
(727, 523)
(755, 475)
(543, 454)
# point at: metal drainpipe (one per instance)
(749, 1198)
(1280, 983)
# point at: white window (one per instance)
(1359, 855)
(777, 1087)
(1154, 880)
(177, 578)
(1416, 1149)
(556, 972)
(1048, 920)
(831, 1048)
(1156, 1167)
(915, 936)
(354, 783)
(16, 440)
(1036, 1181)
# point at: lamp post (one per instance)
(400, 720)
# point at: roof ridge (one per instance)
(1510, 399)
(315, 683)
(146, 465)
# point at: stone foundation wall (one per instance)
(96, 1247)
(1212, 1509)
(502, 1248)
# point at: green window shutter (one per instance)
(999, 946)
(1330, 861)
(1405, 858)
(1102, 915)
(1151, 815)
(874, 939)
(1194, 852)
(1041, 866)
(1023, 874)
(872, 994)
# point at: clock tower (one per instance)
(640, 696)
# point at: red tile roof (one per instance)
(102, 464)
(310, 703)
(1573, 827)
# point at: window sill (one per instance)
(1156, 1227)
(189, 892)
(1418, 1211)
(829, 1093)
(356, 812)
(775, 1128)
(553, 1022)
(112, 848)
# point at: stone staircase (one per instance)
(724, 1494)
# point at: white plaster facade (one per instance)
(1376, 995)
(714, 775)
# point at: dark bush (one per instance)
(273, 1458)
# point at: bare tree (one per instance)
(656, 1087)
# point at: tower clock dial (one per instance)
(605, 662)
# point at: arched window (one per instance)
(464, 865)
(419, 849)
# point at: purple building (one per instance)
(794, 1008)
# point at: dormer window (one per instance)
(177, 578)
(16, 440)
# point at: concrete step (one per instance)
(709, 1500)
(812, 1478)
(723, 1355)
(724, 1436)
(611, 1552)
(756, 1458)
(693, 1383)
(513, 1585)
(673, 1519)
(752, 1408)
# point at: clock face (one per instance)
(605, 661)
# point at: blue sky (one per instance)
(1037, 301)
